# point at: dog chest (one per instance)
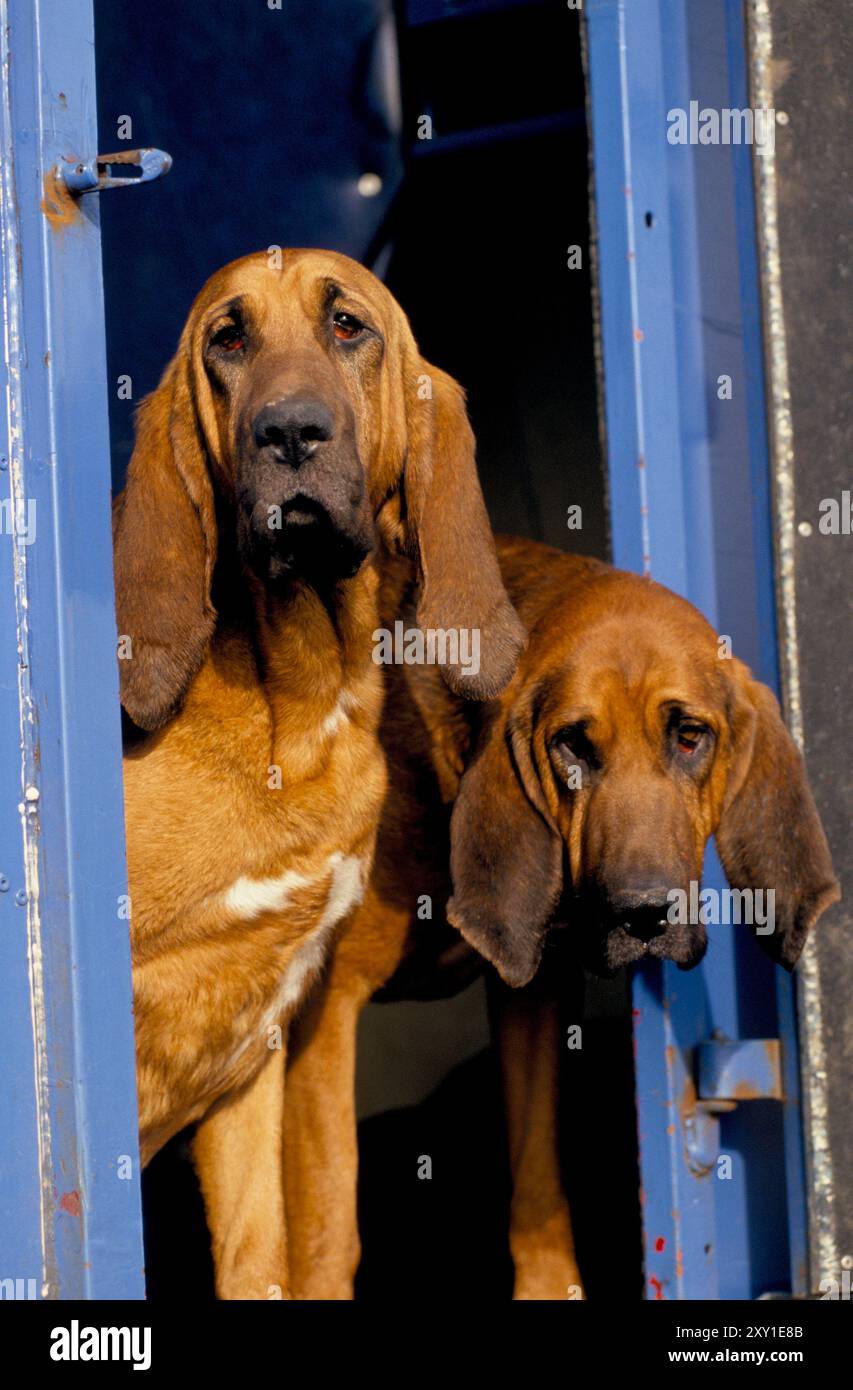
(344, 889)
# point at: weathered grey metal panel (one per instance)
(801, 56)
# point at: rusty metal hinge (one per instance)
(94, 176)
(729, 1071)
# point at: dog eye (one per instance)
(572, 748)
(229, 337)
(347, 327)
(690, 735)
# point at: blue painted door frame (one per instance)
(689, 494)
(689, 497)
(70, 1224)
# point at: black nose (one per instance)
(642, 914)
(292, 428)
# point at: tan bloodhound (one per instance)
(583, 796)
(296, 440)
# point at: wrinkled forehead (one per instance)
(274, 284)
(627, 651)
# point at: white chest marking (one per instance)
(249, 897)
(346, 890)
(333, 721)
(339, 715)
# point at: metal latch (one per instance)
(728, 1072)
(740, 1069)
(93, 175)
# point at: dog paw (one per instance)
(548, 1279)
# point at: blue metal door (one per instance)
(722, 1177)
(70, 1222)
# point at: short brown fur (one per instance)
(478, 812)
(235, 683)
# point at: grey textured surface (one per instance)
(812, 56)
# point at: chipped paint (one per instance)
(742, 1069)
(74, 1060)
(13, 351)
(746, 1090)
(57, 204)
(687, 1106)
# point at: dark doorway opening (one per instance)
(481, 230)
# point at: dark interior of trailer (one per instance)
(471, 229)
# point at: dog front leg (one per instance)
(321, 1146)
(237, 1152)
(541, 1239)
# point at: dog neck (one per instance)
(314, 657)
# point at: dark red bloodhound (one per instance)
(296, 441)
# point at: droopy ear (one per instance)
(506, 854)
(164, 537)
(450, 535)
(770, 835)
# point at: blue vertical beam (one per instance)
(690, 505)
(69, 1184)
(637, 230)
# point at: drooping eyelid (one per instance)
(579, 730)
(354, 312)
(697, 729)
(580, 720)
(571, 744)
(340, 301)
(686, 712)
(224, 315)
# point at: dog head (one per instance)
(625, 741)
(297, 424)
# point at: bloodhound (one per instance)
(582, 796)
(296, 440)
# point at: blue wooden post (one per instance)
(690, 505)
(69, 1169)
